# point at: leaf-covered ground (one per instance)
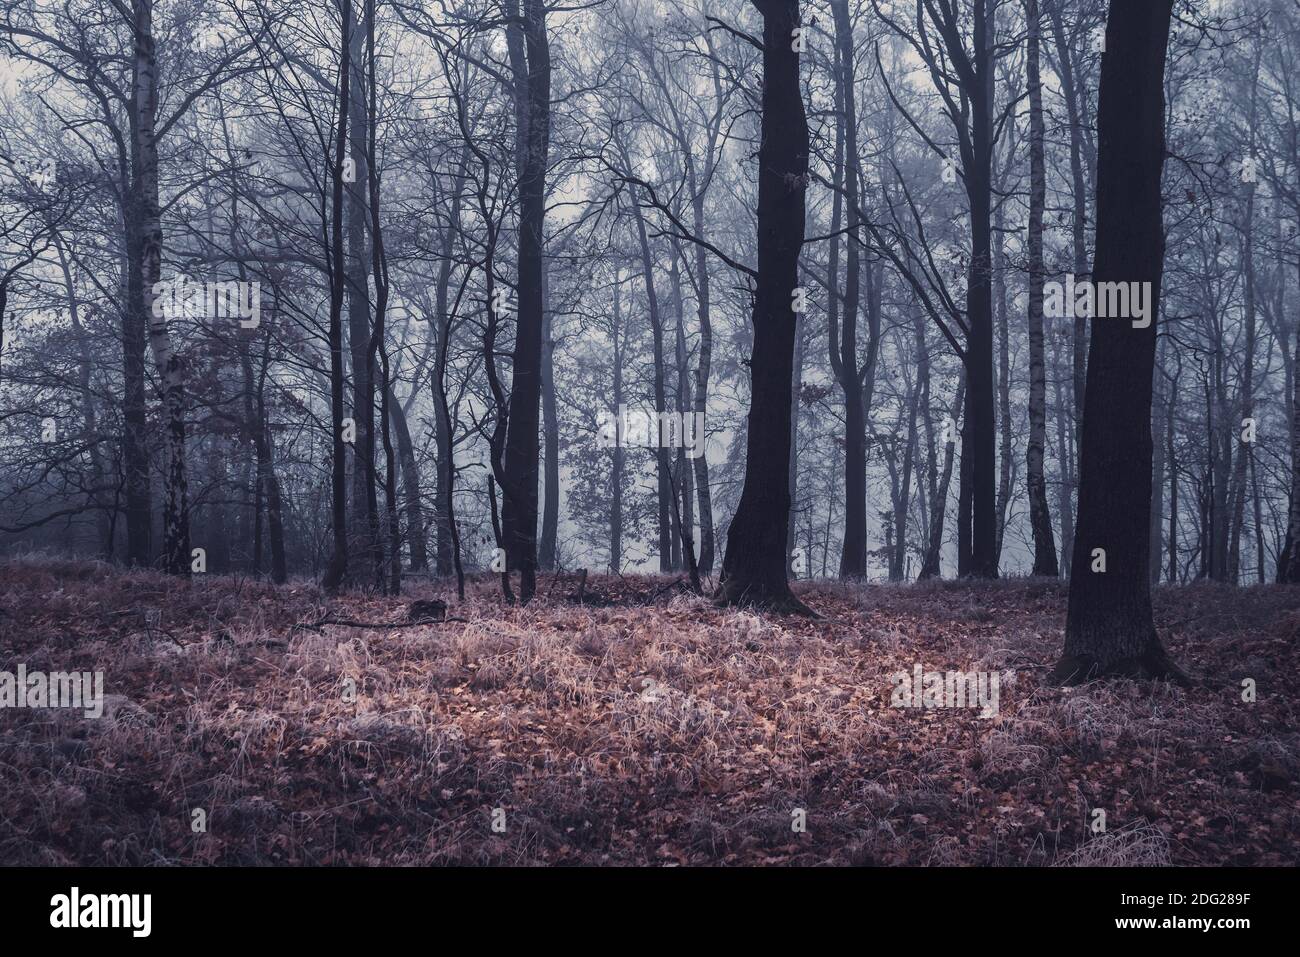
(651, 728)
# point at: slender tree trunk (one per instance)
(1079, 225)
(700, 397)
(416, 532)
(1005, 463)
(844, 337)
(367, 547)
(796, 386)
(176, 531)
(1289, 561)
(979, 430)
(616, 473)
(684, 503)
(1171, 456)
(391, 582)
(663, 484)
(338, 562)
(550, 432)
(89, 415)
(1244, 459)
(1040, 519)
(269, 482)
(930, 568)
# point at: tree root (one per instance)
(1153, 665)
(774, 602)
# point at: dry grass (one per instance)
(671, 733)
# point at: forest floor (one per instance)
(655, 729)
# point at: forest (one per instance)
(649, 432)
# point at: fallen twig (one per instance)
(349, 623)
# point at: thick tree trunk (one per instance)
(754, 567)
(1109, 627)
(530, 61)
(1159, 450)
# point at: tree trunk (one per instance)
(701, 394)
(978, 427)
(930, 568)
(176, 532)
(550, 433)
(1005, 463)
(1074, 103)
(367, 546)
(415, 530)
(338, 563)
(1040, 519)
(1110, 629)
(616, 473)
(663, 485)
(844, 336)
(530, 61)
(754, 567)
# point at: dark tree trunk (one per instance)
(365, 500)
(391, 582)
(754, 567)
(1109, 627)
(338, 563)
(979, 430)
(532, 77)
(1040, 518)
(844, 335)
